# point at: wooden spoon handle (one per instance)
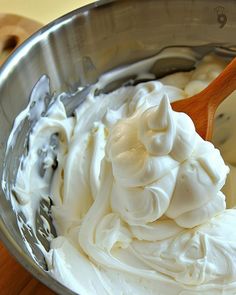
(202, 106)
(220, 88)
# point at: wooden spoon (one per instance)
(202, 107)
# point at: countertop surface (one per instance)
(42, 11)
(14, 279)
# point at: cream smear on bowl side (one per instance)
(136, 193)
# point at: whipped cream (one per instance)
(136, 192)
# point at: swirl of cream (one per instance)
(185, 139)
(157, 129)
(203, 255)
(141, 205)
(197, 195)
(162, 166)
(163, 132)
(31, 182)
(132, 163)
(144, 183)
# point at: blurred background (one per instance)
(42, 11)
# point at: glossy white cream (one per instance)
(137, 199)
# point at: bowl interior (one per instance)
(73, 52)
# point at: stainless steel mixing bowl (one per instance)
(75, 49)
